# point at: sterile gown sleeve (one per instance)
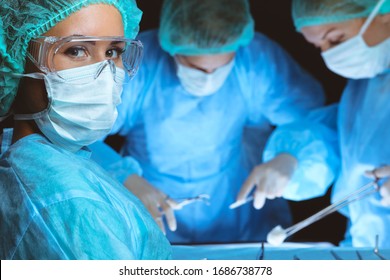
(62, 205)
(277, 91)
(120, 167)
(313, 141)
(94, 230)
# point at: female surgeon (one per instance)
(350, 138)
(65, 62)
(205, 77)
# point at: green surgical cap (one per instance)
(319, 12)
(202, 27)
(22, 20)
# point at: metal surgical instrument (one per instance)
(360, 193)
(205, 198)
(241, 202)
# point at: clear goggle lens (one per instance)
(60, 55)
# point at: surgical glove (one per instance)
(157, 202)
(379, 173)
(270, 179)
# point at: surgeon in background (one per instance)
(206, 76)
(352, 137)
(56, 203)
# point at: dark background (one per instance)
(273, 18)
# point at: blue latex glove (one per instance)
(382, 172)
(157, 202)
(269, 180)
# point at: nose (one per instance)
(99, 56)
(106, 63)
(326, 45)
(209, 71)
(324, 48)
(205, 70)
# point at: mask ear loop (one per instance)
(371, 17)
(38, 76)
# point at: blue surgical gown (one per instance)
(59, 205)
(188, 145)
(343, 141)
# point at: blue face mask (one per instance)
(79, 113)
(355, 59)
(199, 83)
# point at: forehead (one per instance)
(93, 20)
(318, 33)
(214, 60)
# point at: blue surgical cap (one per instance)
(23, 20)
(202, 27)
(319, 12)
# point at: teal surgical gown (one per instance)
(59, 205)
(188, 145)
(343, 141)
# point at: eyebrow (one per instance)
(80, 35)
(195, 66)
(94, 42)
(116, 42)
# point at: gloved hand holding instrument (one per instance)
(277, 235)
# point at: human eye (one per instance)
(76, 52)
(336, 40)
(115, 53)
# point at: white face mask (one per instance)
(354, 59)
(199, 83)
(79, 113)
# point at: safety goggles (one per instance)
(59, 54)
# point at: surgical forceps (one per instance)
(360, 193)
